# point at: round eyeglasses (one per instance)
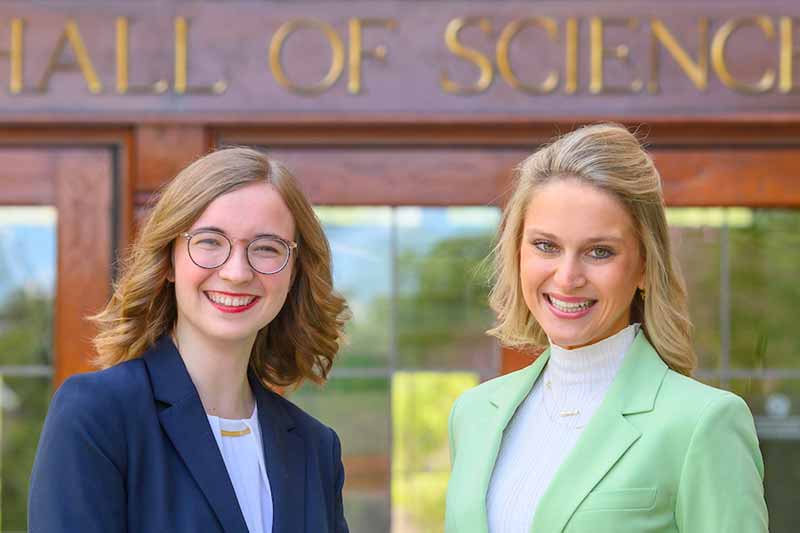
(268, 254)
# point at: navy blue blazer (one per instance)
(130, 449)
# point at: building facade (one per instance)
(403, 121)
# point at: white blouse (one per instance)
(242, 451)
(546, 426)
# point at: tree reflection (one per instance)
(26, 318)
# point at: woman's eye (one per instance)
(266, 250)
(545, 246)
(601, 253)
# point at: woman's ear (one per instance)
(642, 276)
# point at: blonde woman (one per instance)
(606, 432)
(227, 292)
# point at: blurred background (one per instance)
(406, 144)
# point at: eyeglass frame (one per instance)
(290, 245)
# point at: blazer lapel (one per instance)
(485, 444)
(185, 422)
(285, 458)
(605, 439)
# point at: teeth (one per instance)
(568, 307)
(230, 301)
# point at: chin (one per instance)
(569, 343)
(232, 335)
(566, 339)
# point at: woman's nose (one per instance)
(236, 269)
(569, 273)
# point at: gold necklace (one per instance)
(563, 417)
(240, 433)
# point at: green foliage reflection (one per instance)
(442, 304)
(25, 339)
(421, 403)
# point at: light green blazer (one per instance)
(663, 453)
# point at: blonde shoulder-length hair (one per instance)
(610, 158)
(301, 341)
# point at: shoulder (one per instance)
(310, 427)
(700, 408)
(719, 446)
(89, 412)
(697, 397)
(100, 405)
(104, 390)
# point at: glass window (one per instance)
(413, 279)
(360, 239)
(27, 281)
(442, 312)
(697, 245)
(765, 261)
(357, 408)
(421, 403)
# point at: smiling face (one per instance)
(580, 262)
(233, 302)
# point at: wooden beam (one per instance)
(751, 177)
(161, 151)
(83, 183)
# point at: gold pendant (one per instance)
(240, 433)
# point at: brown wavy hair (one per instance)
(609, 157)
(300, 343)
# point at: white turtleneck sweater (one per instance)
(546, 426)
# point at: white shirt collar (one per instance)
(596, 363)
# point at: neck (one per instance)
(597, 362)
(219, 373)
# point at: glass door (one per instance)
(55, 264)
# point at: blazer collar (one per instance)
(185, 422)
(634, 389)
(507, 393)
(605, 439)
(285, 458)
(517, 385)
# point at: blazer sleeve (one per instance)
(341, 523)
(77, 482)
(451, 433)
(721, 486)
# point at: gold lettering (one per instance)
(181, 54)
(72, 37)
(598, 55)
(788, 53)
(181, 85)
(123, 25)
(337, 56)
(718, 55)
(504, 60)
(14, 55)
(697, 71)
(357, 26)
(470, 54)
(571, 84)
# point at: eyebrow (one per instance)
(220, 230)
(599, 238)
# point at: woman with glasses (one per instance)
(606, 432)
(226, 294)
